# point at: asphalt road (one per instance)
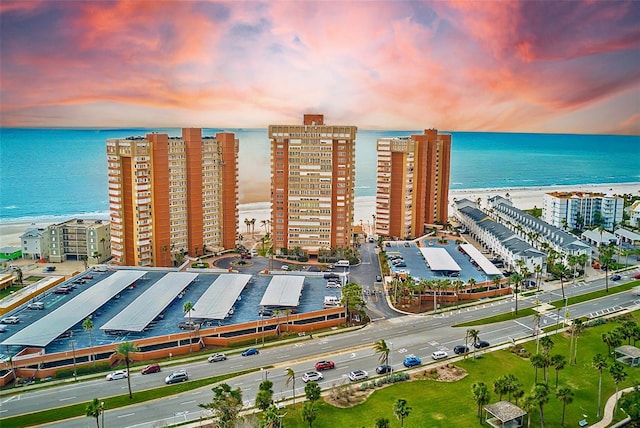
(407, 334)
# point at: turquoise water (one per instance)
(47, 172)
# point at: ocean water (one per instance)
(51, 172)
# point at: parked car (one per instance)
(332, 276)
(36, 306)
(10, 320)
(378, 278)
(333, 284)
(385, 368)
(62, 290)
(176, 377)
(312, 376)
(285, 267)
(250, 351)
(530, 284)
(87, 277)
(401, 264)
(481, 344)
(438, 355)
(358, 375)
(151, 368)
(325, 365)
(119, 374)
(216, 357)
(49, 269)
(636, 276)
(412, 360)
(188, 325)
(460, 349)
(615, 277)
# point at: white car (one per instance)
(333, 284)
(120, 374)
(312, 376)
(358, 375)
(10, 320)
(438, 355)
(216, 357)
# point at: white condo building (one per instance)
(574, 210)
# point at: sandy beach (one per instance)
(523, 198)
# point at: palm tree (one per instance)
(457, 286)
(538, 362)
(528, 405)
(516, 278)
(383, 350)
(618, 374)
(599, 362)
(558, 361)
(474, 335)
(187, 308)
(87, 325)
(401, 410)
(576, 329)
(537, 269)
(563, 271)
(612, 339)
(19, 275)
(291, 379)
(309, 413)
(500, 387)
(94, 410)
(125, 349)
(572, 261)
(382, 423)
(606, 259)
(481, 396)
(540, 394)
(253, 226)
(547, 344)
(435, 285)
(566, 396)
(496, 281)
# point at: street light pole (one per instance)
(102, 411)
(73, 347)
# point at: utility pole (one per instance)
(73, 347)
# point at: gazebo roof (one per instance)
(505, 411)
(629, 350)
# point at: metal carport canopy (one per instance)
(139, 313)
(439, 259)
(486, 265)
(219, 298)
(283, 290)
(46, 329)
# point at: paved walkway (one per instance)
(609, 406)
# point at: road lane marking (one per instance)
(65, 399)
(126, 416)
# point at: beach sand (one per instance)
(523, 198)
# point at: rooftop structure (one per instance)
(312, 185)
(412, 188)
(283, 292)
(439, 259)
(171, 196)
(218, 300)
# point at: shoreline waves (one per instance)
(522, 197)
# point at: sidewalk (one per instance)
(607, 415)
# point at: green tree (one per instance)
(291, 379)
(516, 280)
(511, 385)
(565, 395)
(576, 329)
(310, 413)
(628, 330)
(619, 375)
(474, 335)
(187, 308)
(599, 362)
(271, 417)
(606, 259)
(481, 396)
(382, 350)
(94, 410)
(612, 339)
(538, 362)
(352, 299)
(19, 275)
(630, 403)
(401, 410)
(500, 387)
(87, 325)
(540, 394)
(558, 361)
(312, 391)
(383, 423)
(225, 405)
(124, 350)
(547, 344)
(264, 397)
(528, 405)
(563, 272)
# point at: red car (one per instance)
(151, 368)
(325, 365)
(87, 277)
(637, 276)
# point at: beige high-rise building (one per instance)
(172, 196)
(412, 188)
(312, 185)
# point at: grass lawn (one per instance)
(440, 404)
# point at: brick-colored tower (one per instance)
(312, 185)
(412, 183)
(172, 196)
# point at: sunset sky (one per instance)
(531, 66)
